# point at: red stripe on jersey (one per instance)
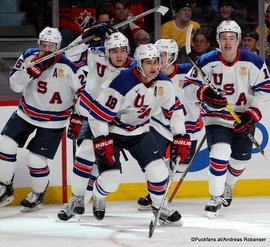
(43, 115)
(91, 106)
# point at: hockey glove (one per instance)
(180, 147)
(36, 70)
(104, 150)
(100, 31)
(248, 119)
(206, 94)
(75, 124)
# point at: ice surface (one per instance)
(245, 223)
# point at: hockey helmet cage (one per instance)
(50, 34)
(115, 40)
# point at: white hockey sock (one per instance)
(106, 183)
(156, 174)
(235, 169)
(92, 179)
(39, 172)
(8, 159)
(7, 171)
(219, 159)
(82, 168)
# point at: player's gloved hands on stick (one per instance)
(36, 70)
(99, 30)
(206, 94)
(104, 150)
(75, 124)
(248, 120)
(180, 147)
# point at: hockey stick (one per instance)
(187, 169)
(231, 111)
(160, 9)
(153, 225)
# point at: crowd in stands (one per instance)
(205, 15)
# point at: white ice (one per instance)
(245, 223)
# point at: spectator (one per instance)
(266, 4)
(226, 8)
(204, 10)
(74, 17)
(125, 8)
(226, 13)
(250, 41)
(267, 35)
(201, 46)
(136, 8)
(266, 25)
(103, 15)
(176, 29)
(122, 12)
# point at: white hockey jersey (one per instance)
(246, 82)
(46, 101)
(192, 121)
(127, 104)
(100, 71)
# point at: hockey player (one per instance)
(120, 119)
(245, 79)
(159, 124)
(48, 89)
(102, 66)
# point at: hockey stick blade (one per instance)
(160, 9)
(151, 229)
(153, 225)
(188, 37)
(231, 111)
